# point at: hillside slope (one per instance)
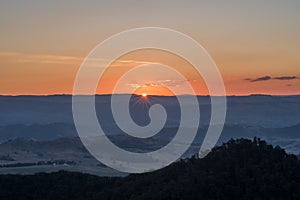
(239, 169)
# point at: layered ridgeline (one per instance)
(238, 169)
(37, 133)
(43, 118)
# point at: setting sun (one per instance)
(144, 95)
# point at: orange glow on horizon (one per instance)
(143, 82)
(30, 76)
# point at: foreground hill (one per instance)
(239, 169)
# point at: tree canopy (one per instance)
(238, 169)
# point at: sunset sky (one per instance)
(254, 43)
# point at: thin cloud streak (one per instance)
(17, 57)
(40, 58)
(267, 78)
(285, 77)
(161, 83)
(264, 78)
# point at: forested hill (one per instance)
(239, 169)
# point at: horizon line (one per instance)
(62, 94)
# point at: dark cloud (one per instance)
(267, 78)
(264, 78)
(285, 77)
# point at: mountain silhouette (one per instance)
(238, 169)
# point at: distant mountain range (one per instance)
(287, 137)
(255, 110)
(37, 124)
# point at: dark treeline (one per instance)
(239, 169)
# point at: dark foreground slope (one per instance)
(239, 169)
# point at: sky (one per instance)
(255, 44)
